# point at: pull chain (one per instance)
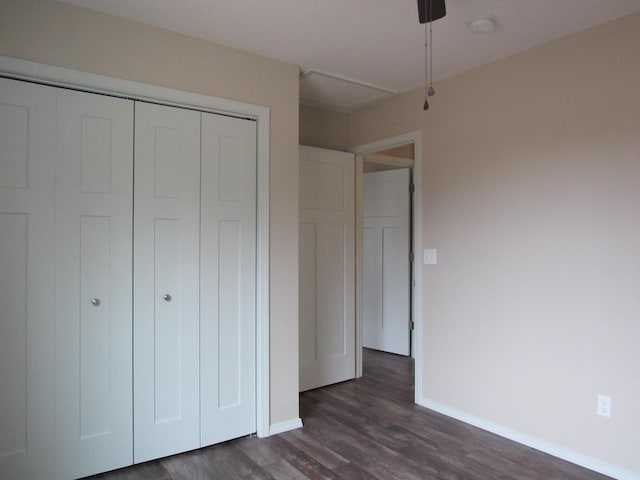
(426, 67)
(428, 55)
(431, 91)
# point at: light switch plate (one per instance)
(430, 256)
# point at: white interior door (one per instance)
(166, 281)
(93, 310)
(386, 266)
(27, 389)
(228, 279)
(327, 267)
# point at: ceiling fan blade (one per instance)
(431, 10)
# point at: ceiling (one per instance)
(352, 52)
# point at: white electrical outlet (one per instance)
(604, 405)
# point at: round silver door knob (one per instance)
(95, 302)
(167, 297)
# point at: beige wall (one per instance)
(531, 194)
(403, 151)
(63, 35)
(531, 175)
(324, 129)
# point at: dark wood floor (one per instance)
(363, 429)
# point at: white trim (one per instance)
(332, 107)
(263, 390)
(285, 426)
(546, 447)
(359, 201)
(64, 77)
(89, 82)
(416, 308)
(353, 81)
(385, 93)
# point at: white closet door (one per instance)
(94, 189)
(327, 267)
(27, 153)
(385, 259)
(166, 281)
(228, 269)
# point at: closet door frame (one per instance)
(63, 77)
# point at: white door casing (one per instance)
(166, 281)
(327, 267)
(386, 274)
(414, 138)
(93, 310)
(228, 273)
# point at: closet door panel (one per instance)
(27, 152)
(228, 240)
(166, 281)
(94, 194)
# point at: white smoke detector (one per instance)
(482, 23)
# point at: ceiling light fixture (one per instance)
(482, 24)
(428, 12)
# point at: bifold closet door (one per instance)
(93, 299)
(27, 389)
(65, 293)
(166, 281)
(228, 272)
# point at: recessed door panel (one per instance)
(230, 168)
(331, 305)
(14, 138)
(229, 307)
(97, 154)
(324, 185)
(308, 333)
(168, 143)
(372, 301)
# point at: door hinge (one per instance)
(412, 188)
(412, 325)
(411, 257)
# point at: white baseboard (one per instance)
(546, 447)
(285, 426)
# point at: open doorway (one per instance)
(387, 162)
